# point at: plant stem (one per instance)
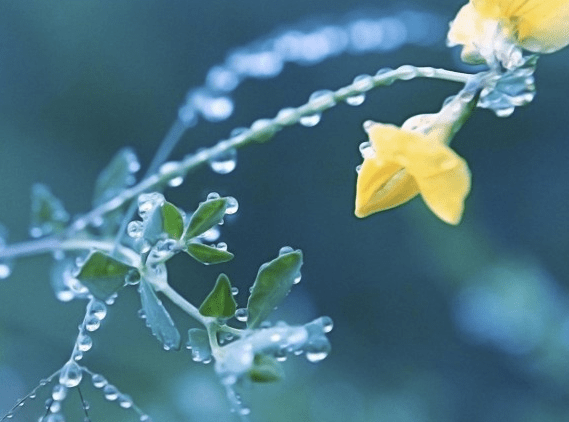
(186, 306)
(52, 244)
(260, 131)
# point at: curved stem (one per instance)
(52, 244)
(183, 304)
(260, 131)
(263, 129)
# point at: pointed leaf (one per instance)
(165, 221)
(157, 317)
(273, 282)
(208, 254)
(220, 302)
(265, 369)
(172, 221)
(198, 342)
(48, 214)
(103, 275)
(116, 176)
(208, 214)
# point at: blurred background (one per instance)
(432, 322)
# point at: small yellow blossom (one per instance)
(497, 29)
(416, 159)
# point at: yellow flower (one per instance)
(497, 29)
(416, 159)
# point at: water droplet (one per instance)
(5, 268)
(287, 116)
(77, 355)
(504, 112)
(297, 278)
(244, 411)
(147, 202)
(132, 277)
(98, 309)
(135, 229)
(241, 314)
(55, 417)
(59, 392)
(222, 246)
(406, 72)
(98, 380)
(111, 299)
(84, 343)
(389, 80)
(224, 162)
(366, 150)
(92, 323)
(368, 125)
(322, 99)
(145, 418)
(212, 195)
(210, 235)
(363, 83)
(111, 392)
(317, 349)
(285, 249)
(355, 100)
(70, 375)
(234, 291)
(125, 401)
(215, 109)
(141, 314)
(263, 129)
(310, 120)
(358, 168)
(327, 324)
(232, 205)
(176, 181)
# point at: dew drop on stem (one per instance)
(70, 375)
(224, 162)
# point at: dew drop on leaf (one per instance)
(241, 314)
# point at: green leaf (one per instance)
(208, 214)
(48, 214)
(220, 302)
(157, 317)
(116, 176)
(165, 220)
(103, 275)
(273, 282)
(172, 221)
(265, 369)
(207, 254)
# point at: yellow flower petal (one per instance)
(429, 165)
(445, 192)
(488, 29)
(537, 25)
(382, 186)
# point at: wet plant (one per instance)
(126, 240)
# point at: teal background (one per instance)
(432, 322)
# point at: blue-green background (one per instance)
(80, 79)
